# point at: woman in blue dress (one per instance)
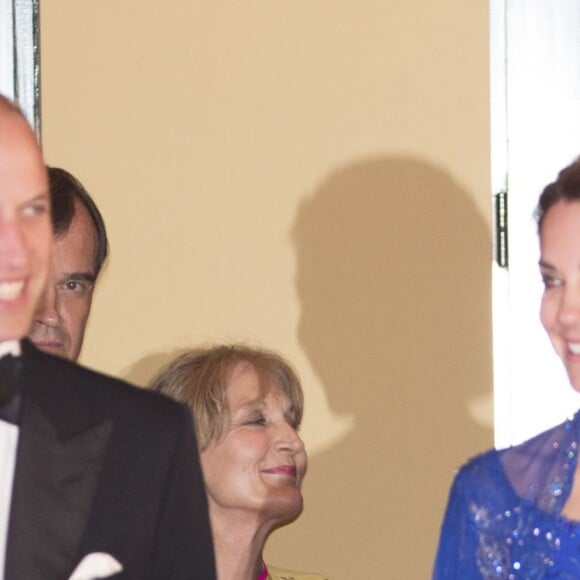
(515, 513)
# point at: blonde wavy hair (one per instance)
(200, 379)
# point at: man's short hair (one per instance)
(9, 105)
(64, 189)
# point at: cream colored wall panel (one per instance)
(313, 177)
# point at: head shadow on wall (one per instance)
(393, 279)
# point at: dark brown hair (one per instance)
(565, 188)
(64, 189)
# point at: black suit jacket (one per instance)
(102, 466)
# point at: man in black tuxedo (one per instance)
(98, 479)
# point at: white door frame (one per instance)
(20, 60)
(535, 131)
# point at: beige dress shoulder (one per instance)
(280, 574)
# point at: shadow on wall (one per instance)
(142, 371)
(394, 285)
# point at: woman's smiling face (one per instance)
(259, 461)
(560, 269)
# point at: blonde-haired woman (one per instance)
(247, 406)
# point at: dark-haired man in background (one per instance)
(79, 249)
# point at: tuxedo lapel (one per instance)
(60, 452)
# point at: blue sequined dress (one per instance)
(504, 520)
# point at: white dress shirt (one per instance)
(8, 443)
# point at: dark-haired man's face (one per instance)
(63, 310)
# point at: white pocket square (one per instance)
(96, 565)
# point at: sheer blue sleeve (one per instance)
(458, 541)
(504, 514)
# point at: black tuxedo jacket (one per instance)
(102, 466)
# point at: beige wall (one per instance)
(312, 177)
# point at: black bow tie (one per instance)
(9, 396)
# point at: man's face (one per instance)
(62, 313)
(25, 230)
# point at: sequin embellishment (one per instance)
(524, 542)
